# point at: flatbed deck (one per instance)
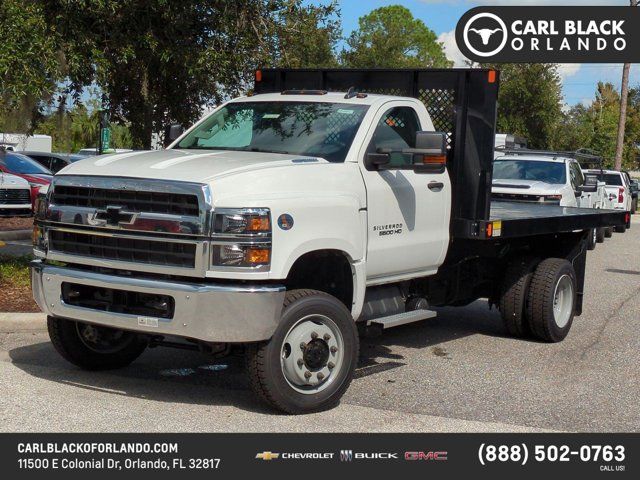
(519, 219)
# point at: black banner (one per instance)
(550, 34)
(229, 455)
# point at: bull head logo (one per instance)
(485, 33)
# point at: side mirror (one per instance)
(373, 161)
(430, 154)
(172, 133)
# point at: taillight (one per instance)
(620, 195)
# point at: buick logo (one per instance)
(112, 216)
(346, 455)
(485, 34)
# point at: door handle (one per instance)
(435, 186)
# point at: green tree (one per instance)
(307, 36)
(595, 126)
(530, 102)
(28, 63)
(391, 37)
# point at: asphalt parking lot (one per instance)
(458, 372)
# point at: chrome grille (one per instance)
(9, 196)
(153, 252)
(132, 200)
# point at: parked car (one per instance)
(23, 166)
(633, 185)
(553, 178)
(540, 177)
(293, 235)
(15, 196)
(54, 161)
(618, 190)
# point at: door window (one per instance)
(396, 130)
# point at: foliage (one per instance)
(530, 101)
(596, 126)
(15, 270)
(308, 35)
(391, 37)
(28, 63)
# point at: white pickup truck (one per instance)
(553, 178)
(285, 221)
(15, 196)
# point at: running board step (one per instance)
(402, 318)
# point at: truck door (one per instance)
(407, 213)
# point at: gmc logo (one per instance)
(429, 456)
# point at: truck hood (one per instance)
(183, 165)
(12, 181)
(526, 187)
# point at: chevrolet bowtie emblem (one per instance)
(267, 455)
(113, 216)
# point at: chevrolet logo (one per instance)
(267, 455)
(112, 216)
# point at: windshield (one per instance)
(300, 128)
(20, 164)
(548, 172)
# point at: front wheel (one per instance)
(92, 347)
(309, 362)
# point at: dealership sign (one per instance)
(550, 34)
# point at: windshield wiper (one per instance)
(262, 150)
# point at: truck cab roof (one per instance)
(325, 97)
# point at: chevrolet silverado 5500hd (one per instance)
(289, 219)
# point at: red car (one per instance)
(30, 170)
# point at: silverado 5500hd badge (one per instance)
(391, 229)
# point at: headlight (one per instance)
(242, 238)
(243, 222)
(238, 255)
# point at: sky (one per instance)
(579, 80)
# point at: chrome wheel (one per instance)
(103, 339)
(563, 301)
(312, 354)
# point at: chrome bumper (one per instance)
(203, 311)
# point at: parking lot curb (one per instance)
(15, 235)
(11, 322)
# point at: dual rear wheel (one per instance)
(538, 298)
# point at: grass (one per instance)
(15, 270)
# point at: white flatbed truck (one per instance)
(285, 221)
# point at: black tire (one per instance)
(264, 368)
(634, 206)
(513, 295)
(608, 232)
(600, 233)
(540, 301)
(592, 240)
(66, 338)
(620, 229)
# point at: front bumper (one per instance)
(203, 311)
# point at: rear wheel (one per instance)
(600, 234)
(593, 239)
(310, 360)
(93, 347)
(551, 300)
(620, 229)
(634, 206)
(513, 294)
(608, 232)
